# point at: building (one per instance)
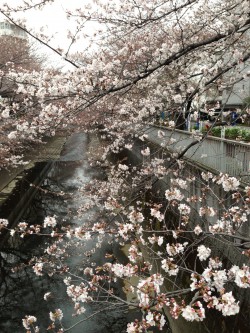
(235, 96)
(9, 29)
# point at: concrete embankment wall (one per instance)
(18, 200)
(194, 188)
(19, 185)
(221, 247)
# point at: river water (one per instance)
(22, 291)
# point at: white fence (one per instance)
(221, 155)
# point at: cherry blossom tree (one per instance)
(147, 57)
(18, 55)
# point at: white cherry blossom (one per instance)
(203, 252)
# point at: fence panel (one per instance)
(221, 155)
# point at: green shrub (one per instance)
(233, 133)
(227, 133)
(216, 131)
(245, 135)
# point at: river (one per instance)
(22, 291)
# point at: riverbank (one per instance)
(50, 150)
(16, 192)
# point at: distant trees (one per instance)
(19, 53)
(16, 54)
(19, 56)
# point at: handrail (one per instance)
(219, 154)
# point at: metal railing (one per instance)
(220, 155)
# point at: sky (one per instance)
(54, 22)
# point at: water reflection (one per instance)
(21, 291)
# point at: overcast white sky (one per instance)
(53, 19)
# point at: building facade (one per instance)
(9, 29)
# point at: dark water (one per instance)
(21, 290)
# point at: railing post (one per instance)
(222, 159)
(188, 123)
